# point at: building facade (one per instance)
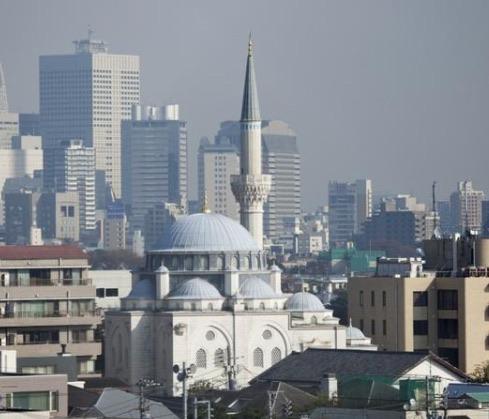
(85, 95)
(154, 148)
(466, 207)
(404, 308)
(48, 300)
(350, 205)
(216, 164)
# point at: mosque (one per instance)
(207, 298)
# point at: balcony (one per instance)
(31, 318)
(46, 282)
(34, 350)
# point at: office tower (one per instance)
(251, 187)
(282, 161)
(85, 95)
(72, 169)
(217, 163)
(9, 121)
(115, 225)
(3, 91)
(350, 205)
(158, 219)
(466, 207)
(24, 158)
(154, 148)
(443, 210)
(405, 307)
(485, 218)
(29, 124)
(50, 302)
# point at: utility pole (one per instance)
(271, 401)
(142, 384)
(182, 375)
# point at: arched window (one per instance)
(201, 359)
(314, 320)
(234, 262)
(219, 358)
(258, 358)
(119, 346)
(262, 306)
(220, 262)
(276, 355)
(188, 263)
(210, 307)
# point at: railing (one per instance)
(35, 314)
(45, 282)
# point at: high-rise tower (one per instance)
(251, 187)
(3, 92)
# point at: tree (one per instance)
(481, 373)
(339, 305)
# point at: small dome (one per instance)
(354, 333)
(275, 268)
(195, 289)
(144, 289)
(162, 269)
(207, 232)
(255, 287)
(304, 301)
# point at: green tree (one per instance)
(481, 373)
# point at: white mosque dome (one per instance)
(304, 301)
(195, 289)
(257, 288)
(354, 333)
(207, 232)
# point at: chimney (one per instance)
(329, 386)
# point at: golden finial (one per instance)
(205, 204)
(250, 46)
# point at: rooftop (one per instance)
(41, 252)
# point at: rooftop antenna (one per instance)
(433, 206)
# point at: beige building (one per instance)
(403, 308)
(46, 299)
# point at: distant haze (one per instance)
(397, 91)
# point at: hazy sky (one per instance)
(397, 91)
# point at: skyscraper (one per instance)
(3, 92)
(85, 95)
(251, 187)
(217, 163)
(350, 204)
(72, 169)
(466, 207)
(154, 149)
(9, 121)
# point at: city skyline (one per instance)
(375, 86)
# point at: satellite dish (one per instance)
(176, 368)
(192, 369)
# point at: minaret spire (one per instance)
(251, 187)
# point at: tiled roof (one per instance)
(41, 252)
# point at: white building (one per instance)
(111, 286)
(86, 95)
(466, 207)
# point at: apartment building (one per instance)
(405, 308)
(46, 300)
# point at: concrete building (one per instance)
(3, 91)
(48, 300)
(85, 95)
(350, 205)
(29, 124)
(485, 218)
(111, 286)
(24, 159)
(251, 187)
(466, 207)
(406, 308)
(154, 149)
(72, 169)
(216, 164)
(9, 121)
(115, 226)
(158, 219)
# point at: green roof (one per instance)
(480, 397)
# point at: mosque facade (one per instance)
(207, 298)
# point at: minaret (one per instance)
(251, 187)
(3, 92)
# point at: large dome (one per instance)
(207, 232)
(195, 289)
(304, 301)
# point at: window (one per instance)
(201, 359)
(384, 327)
(40, 369)
(372, 298)
(276, 355)
(361, 325)
(384, 298)
(420, 327)
(420, 298)
(449, 354)
(64, 211)
(100, 292)
(32, 400)
(86, 366)
(258, 358)
(447, 328)
(372, 326)
(262, 306)
(71, 211)
(79, 336)
(360, 297)
(447, 300)
(210, 307)
(112, 292)
(219, 357)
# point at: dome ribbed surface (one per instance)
(195, 289)
(354, 333)
(255, 287)
(304, 301)
(207, 232)
(145, 289)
